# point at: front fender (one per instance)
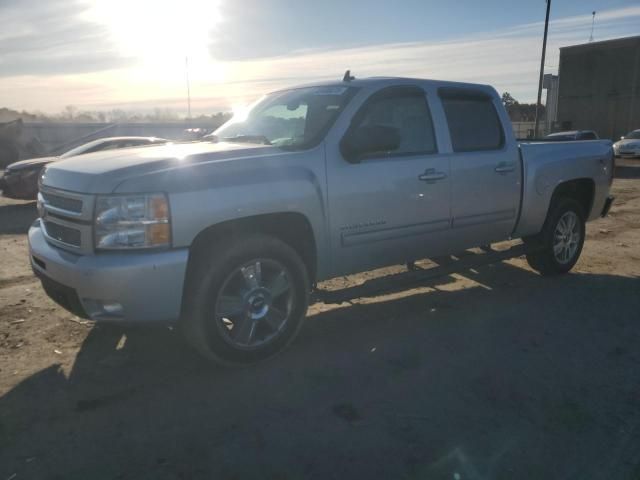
(207, 194)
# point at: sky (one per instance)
(131, 54)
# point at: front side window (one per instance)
(407, 113)
(104, 146)
(294, 119)
(132, 143)
(84, 148)
(473, 122)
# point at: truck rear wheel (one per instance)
(247, 300)
(557, 248)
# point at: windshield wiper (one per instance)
(248, 139)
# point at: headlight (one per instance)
(41, 177)
(132, 221)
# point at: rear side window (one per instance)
(473, 121)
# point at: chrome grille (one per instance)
(67, 219)
(62, 233)
(64, 203)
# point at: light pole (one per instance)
(544, 51)
(186, 67)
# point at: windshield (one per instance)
(634, 135)
(297, 118)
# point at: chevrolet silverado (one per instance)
(227, 237)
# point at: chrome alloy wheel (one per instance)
(255, 303)
(566, 237)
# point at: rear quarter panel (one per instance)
(547, 165)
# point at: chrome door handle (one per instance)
(504, 167)
(430, 175)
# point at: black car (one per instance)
(20, 179)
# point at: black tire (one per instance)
(200, 322)
(542, 257)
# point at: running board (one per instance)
(398, 282)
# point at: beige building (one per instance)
(600, 87)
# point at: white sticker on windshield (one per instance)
(329, 90)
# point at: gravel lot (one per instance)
(495, 373)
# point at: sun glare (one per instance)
(158, 32)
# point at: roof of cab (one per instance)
(380, 82)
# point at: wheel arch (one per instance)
(580, 189)
(293, 228)
(537, 204)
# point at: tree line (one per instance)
(521, 112)
(72, 114)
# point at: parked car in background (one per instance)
(20, 179)
(227, 239)
(572, 135)
(629, 145)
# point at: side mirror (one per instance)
(367, 140)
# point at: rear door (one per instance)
(485, 168)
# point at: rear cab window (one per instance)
(472, 118)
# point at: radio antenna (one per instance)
(347, 76)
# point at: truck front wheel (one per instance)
(557, 248)
(247, 301)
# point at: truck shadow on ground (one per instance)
(628, 171)
(497, 380)
(16, 218)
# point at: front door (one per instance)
(391, 206)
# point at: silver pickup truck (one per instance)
(227, 237)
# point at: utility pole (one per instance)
(186, 66)
(593, 21)
(544, 51)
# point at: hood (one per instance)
(31, 163)
(102, 172)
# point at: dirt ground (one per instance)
(494, 373)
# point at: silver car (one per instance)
(628, 146)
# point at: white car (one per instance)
(628, 146)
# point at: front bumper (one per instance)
(627, 153)
(132, 287)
